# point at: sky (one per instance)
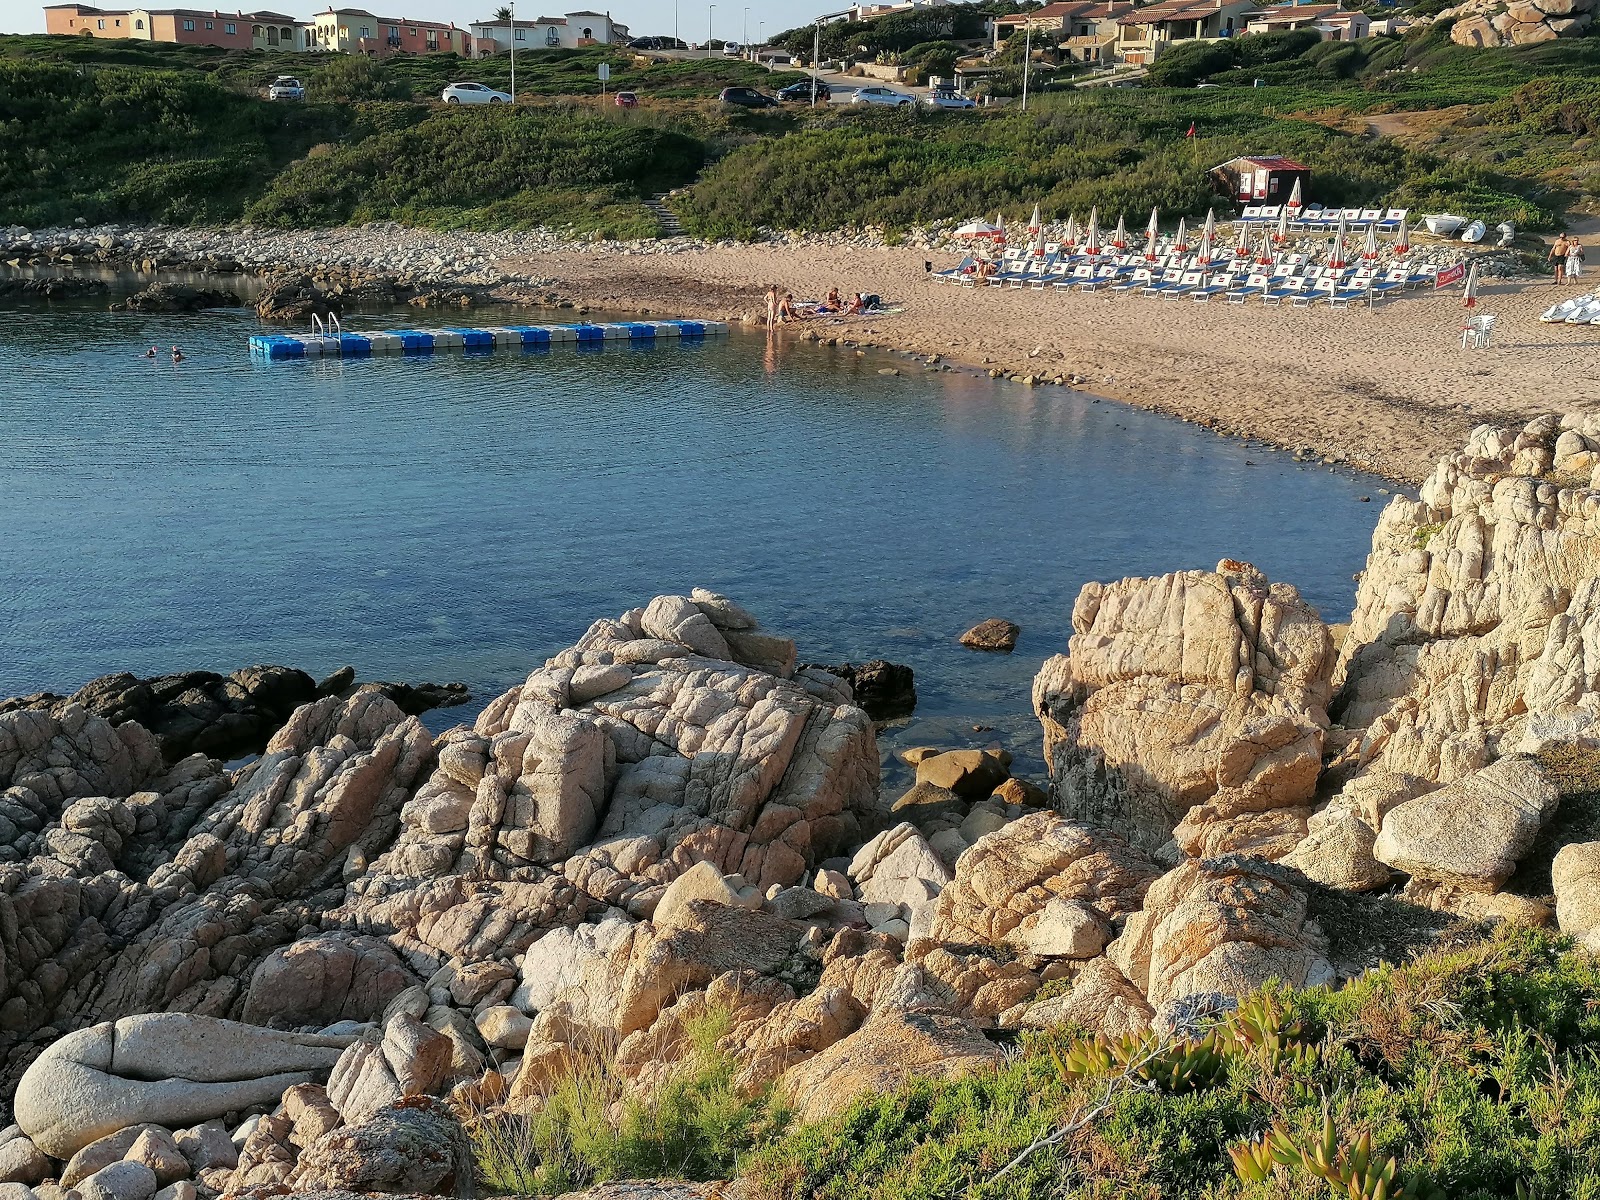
(641, 16)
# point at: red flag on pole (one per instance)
(1191, 133)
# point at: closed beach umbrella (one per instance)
(1295, 202)
(1091, 239)
(1264, 255)
(1038, 242)
(1282, 236)
(1035, 224)
(1208, 236)
(1471, 297)
(1369, 252)
(1336, 257)
(1402, 241)
(1071, 238)
(1241, 245)
(1120, 238)
(1150, 236)
(1180, 244)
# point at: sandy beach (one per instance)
(1388, 390)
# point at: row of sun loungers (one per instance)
(1315, 217)
(1292, 279)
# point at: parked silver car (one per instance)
(882, 95)
(286, 87)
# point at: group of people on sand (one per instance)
(1567, 255)
(782, 306)
(177, 355)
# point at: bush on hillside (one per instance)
(353, 77)
(494, 167)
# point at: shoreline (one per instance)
(1385, 391)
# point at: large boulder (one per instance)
(170, 1069)
(1471, 833)
(887, 1051)
(1225, 926)
(1576, 876)
(1194, 689)
(1043, 881)
(323, 979)
(412, 1148)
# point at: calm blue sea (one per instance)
(463, 517)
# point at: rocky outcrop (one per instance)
(996, 635)
(883, 690)
(225, 716)
(177, 297)
(1478, 616)
(1192, 702)
(1480, 23)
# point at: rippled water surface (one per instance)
(463, 517)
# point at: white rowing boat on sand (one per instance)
(1444, 224)
(1474, 232)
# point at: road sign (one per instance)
(605, 72)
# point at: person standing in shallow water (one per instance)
(772, 306)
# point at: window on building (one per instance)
(188, 26)
(344, 31)
(138, 24)
(100, 24)
(552, 36)
(366, 31)
(411, 31)
(119, 23)
(255, 31)
(433, 40)
(522, 35)
(229, 27)
(209, 25)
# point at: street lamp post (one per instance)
(816, 65)
(710, 8)
(1027, 63)
(674, 24)
(747, 28)
(513, 8)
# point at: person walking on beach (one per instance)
(1558, 256)
(1574, 259)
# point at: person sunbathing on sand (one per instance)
(832, 304)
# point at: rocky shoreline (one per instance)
(321, 969)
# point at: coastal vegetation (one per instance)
(1472, 1072)
(146, 131)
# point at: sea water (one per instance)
(462, 517)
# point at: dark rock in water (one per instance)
(176, 297)
(52, 287)
(884, 690)
(295, 297)
(442, 298)
(995, 635)
(223, 716)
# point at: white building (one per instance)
(585, 28)
(869, 9)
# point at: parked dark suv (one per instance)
(801, 92)
(746, 97)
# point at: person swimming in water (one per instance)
(177, 355)
(150, 353)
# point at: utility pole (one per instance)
(746, 42)
(513, 7)
(1027, 62)
(816, 65)
(674, 24)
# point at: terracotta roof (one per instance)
(1293, 13)
(1171, 10)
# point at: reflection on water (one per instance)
(461, 517)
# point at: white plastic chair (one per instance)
(1476, 332)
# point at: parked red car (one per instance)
(627, 100)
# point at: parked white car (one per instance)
(949, 100)
(732, 49)
(473, 93)
(882, 95)
(286, 87)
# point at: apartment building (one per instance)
(357, 31)
(186, 26)
(575, 29)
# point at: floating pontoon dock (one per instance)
(426, 341)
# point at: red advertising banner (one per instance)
(1450, 275)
